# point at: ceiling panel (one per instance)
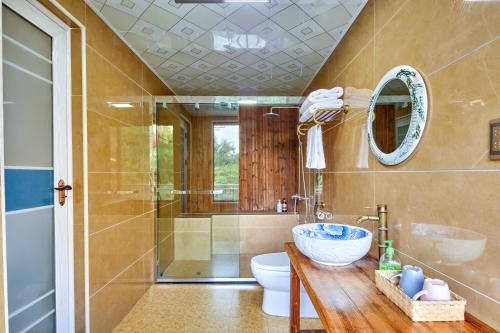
(206, 49)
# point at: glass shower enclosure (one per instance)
(196, 153)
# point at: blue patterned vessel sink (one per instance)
(332, 244)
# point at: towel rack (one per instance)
(321, 116)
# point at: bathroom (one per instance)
(154, 229)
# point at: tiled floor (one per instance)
(204, 308)
(221, 266)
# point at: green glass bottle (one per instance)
(389, 260)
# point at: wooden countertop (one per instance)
(347, 300)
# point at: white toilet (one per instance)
(272, 271)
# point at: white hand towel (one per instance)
(328, 104)
(315, 153)
(321, 95)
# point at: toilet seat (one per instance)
(276, 262)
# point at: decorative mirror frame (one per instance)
(418, 95)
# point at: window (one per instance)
(226, 149)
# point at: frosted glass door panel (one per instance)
(29, 174)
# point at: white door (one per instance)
(36, 160)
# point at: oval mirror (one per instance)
(397, 115)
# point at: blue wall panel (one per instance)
(26, 188)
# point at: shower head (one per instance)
(271, 114)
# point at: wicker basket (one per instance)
(420, 310)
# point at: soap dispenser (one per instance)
(389, 260)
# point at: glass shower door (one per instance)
(197, 213)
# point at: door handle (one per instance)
(62, 188)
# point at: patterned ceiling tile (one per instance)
(172, 66)
(271, 8)
(353, 6)
(268, 30)
(338, 32)
(299, 50)
(196, 50)
(187, 30)
(174, 8)
(183, 58)
(207, 78)
(326, 51)
(311, 59)
(248, 72)
(265, 52)
(232, 66)
(230, 52)
(262, 66)
(247, 83)
(187, 87)
(164, 73)
(288, 77)
(224, 9)
(132, 7)
(153, 59)
(215, 59)
(284, 87)
(304, 72)
(203, 17)
(222, 82)
(119, 19)
(160, 51)
(160, 17)
(214, 49)
(235, 77)
(333, 18)
(247, 59)
(219, 72)
(290, 17)
(173, 42)
(213, 87)
(277, 71)
(190, 71)
(137, 42)
(279, 58)
(307, 30)
(202, 66)
(246, 17)
(284, 41)
(148, 31)
(318, 42)
(181, 78)
(316, 7)
(292, 65)
(261, 77)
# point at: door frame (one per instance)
(39, 16)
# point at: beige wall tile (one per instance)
(434, 38)
(113, 249)
(114, 301)
(438, 214)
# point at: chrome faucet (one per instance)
(382, 226)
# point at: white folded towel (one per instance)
(321, 95)
(315, 153)
(327, 104)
